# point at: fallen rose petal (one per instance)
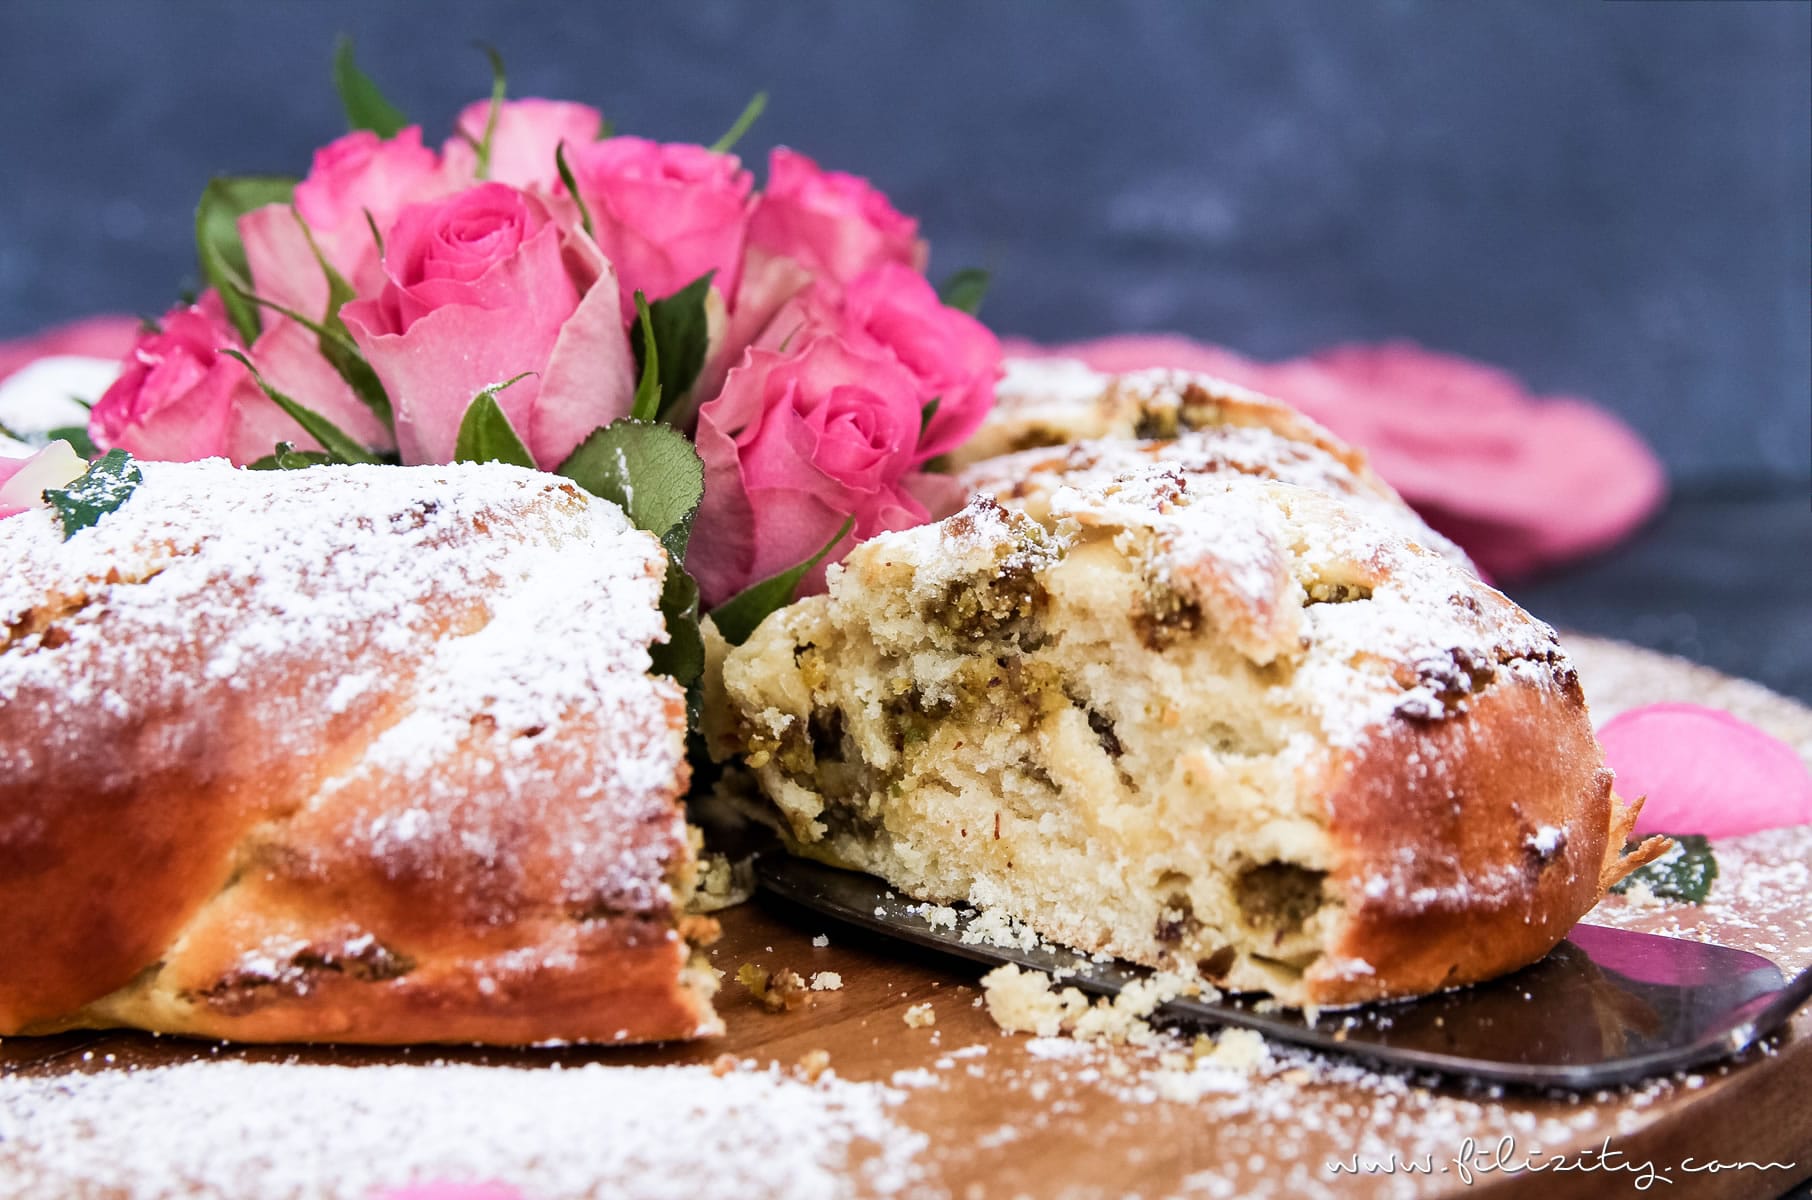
(23, 480)
(91, 337)
(43, 395)
(1704, 771)
(452, 1191)
(1522, 483)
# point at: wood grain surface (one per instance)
(1008, 1116)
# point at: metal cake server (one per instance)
(1605, 1007)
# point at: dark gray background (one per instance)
(1612, 198)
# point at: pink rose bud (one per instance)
(180, 398)
(356, 182)
(664, 214)
(175, 396)
(835, 225)
(793, 446)
(894, 311)
(23, 480)
(479, 288)
(523, 144)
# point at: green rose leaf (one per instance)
(927, 413)
(647, 404)
(499, 89)
(485, 433)
(76, 436)
(365, 105)
(1684, 873)
(335, 340)
(683, 654)
(341, 352)
(965, 290)
(650, 471)
(739, 616)
(217, 242)
(287, 458)
(750, 114)
(339, 445)
(572, 185)
(103, 488)
(679, 331)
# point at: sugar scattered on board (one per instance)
(237, 1129)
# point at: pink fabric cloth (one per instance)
(1524, 483)
(96, 337)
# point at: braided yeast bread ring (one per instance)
(363, 754)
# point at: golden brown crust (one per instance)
(248, 798)
(1621, 858)
(1435, 895)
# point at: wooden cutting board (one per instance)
(983, 1114)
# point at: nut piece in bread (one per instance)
(358, 754)
(1217, 723)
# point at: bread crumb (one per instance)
(827, 981)
(1025, 1002)
(723, 1064)
(1640, 895)
(820, 941)
(997, 927)
(814, 1063)
(1221, 1064)
(721, 884)
(939, 916)
(779, 991)
(1240, 1050)
(921, 1016)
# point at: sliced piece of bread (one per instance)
(1219, 722)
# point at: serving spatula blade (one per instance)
(1605, 1007)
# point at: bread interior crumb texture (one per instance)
(1034, 716)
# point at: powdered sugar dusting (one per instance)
(259, 566)
(1059, 382)
(1254, 450)
(282, 1131)
(1270, 552)
(480, 632)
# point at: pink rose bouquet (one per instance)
(640, 316)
